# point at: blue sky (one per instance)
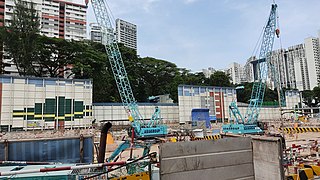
(197, 34)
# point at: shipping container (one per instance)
(63, 150)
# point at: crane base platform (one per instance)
(241, 129)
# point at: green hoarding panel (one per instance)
(50, 106)
(61, 106)
(68, 106)
(38, 108)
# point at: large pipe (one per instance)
(103, 138)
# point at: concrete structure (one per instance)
(222, 159)
(236, 72)
(227, 158)
(216, 99)
(95, 33)
(277, 72)
(58, 18)
(297, 71)
(44, 103)
(126, 33)
(267, 158)
(313, 60)
(208, 72)
(115, 112)
(248, 70)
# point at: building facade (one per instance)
(95, 33)
(208, 72)
(216, 99)
(313, 60)
(236, 72)
(297, 69)
(58, 18)
(126, 33)
(44, 103)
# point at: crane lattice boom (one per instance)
(141, 128)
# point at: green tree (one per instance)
(220, 78)
(156, 76)
(92, 63)
(308, 98)
(244, 95)
(20, 37)
(316, 93)
(55, 54)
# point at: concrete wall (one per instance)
(267, 158)
(115, 112)
(228, 158)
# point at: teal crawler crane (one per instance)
(249, 123)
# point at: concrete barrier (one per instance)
(229, 158)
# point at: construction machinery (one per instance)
(143, 133)
(248, 123)
(141, 128)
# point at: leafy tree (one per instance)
(311, 98)
(244, 95)
(55, 54)
(220, 78)
(20, 37)
(92, 63)
(307, 96)
(156, 76)
(316, 93)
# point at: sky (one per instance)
(197, 34)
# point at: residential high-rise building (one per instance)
(277, 68)
(208, 72)
(58, 18)
(313, 60)
(126, 33)
(95, 32)
(297, 70)
(235, 71)
(248, 70)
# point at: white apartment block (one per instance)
(63, 19)
(58, 18)
(277, 68)
(313, 60)
(126, 33)
(208, 72)
(235, 71)
(248, 70)
(297, 69)
(95, 32)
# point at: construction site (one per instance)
(51, 129)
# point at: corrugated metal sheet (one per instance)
(66, 150)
